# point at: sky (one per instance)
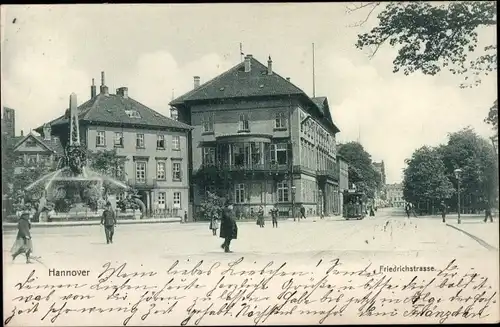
(50, 51)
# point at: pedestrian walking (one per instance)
(302, 212)
(214, 225)
(185, 216)
(274, 216)
(443, 211)
(23, 243)
(109, 221)
(408, 210)
(487, 213)
(260, 217)
(228, 227)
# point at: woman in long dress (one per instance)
(23, 243)
(214, 225)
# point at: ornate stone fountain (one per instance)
(73, 180)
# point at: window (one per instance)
(280, 121)
(176, 142)
(118, 139)
(30, 143)
(160, 141)
(161, 200)
(120, 171)
(140, 172)
(238, 154)
(139, 142)
(208, 124)
(177, 199)
(282, 191)
(133, 114)
(176, 171)
(208, 156)
(100, 139)
(174, 114)
(244, 122)
(31, 159)
(239, 193)
(120, 196)
(161, 170)
(279, 153)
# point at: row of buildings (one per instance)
(248, 134)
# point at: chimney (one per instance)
(122, 91)
(22, 133)
(93, 90)
(46, 132)
(248, 63)
(104, 88)
(288, 79)
(269, 66)
(196, 81)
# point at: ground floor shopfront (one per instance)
(163, 202)
(248, 195)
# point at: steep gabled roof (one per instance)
(54, 144)
(111, 109)
(324, 108)
(236, 83)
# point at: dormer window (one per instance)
(280, 121)
(30, 143)
(133, 114)
(174, 114)
(244, 126)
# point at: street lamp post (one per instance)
(457, 172)
(293, 201)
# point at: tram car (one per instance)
(354, 205)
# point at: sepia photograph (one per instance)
(217, 164)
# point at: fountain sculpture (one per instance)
(73, 181)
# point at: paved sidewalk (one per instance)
(10, 226)
(486, 234)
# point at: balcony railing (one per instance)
(266, 167)
(328, 173)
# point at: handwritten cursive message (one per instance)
(242, 291)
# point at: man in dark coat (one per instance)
(302, 212)
(443, 211)
(23, 242)
(274, 216)
(408, 210)
(487, 213)
(109, 221)
(228, 227)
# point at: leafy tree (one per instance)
(211, 206)
(475, 156)
(361, 171)
(492, 118)
(431, 36)
(108, 163)
(425, 177)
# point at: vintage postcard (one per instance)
(250, 164)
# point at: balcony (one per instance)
(328, 174)
(266, 168)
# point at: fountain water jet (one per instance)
(74, 172)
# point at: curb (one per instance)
(10, 226)
(482, 242)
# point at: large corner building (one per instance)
(258, 139)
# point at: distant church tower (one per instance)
(9, 122)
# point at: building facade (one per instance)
(9, 122)
(259, 140)
(154, 146)
(343, 179)
(395, 195)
